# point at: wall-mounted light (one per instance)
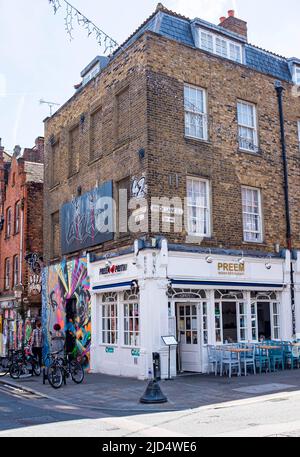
(268, 264)
(241, 260)
(209, 258)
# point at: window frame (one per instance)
(7, 274)
(260, 215)
(297, 75)
(17, 217)
(136, 333)
(208, 210)
(215, 37)
(109, 302)
(254, 128)
(203, 114)
(8, 232)
(16, 270)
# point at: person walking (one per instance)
(37, 342)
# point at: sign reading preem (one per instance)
(234, 269)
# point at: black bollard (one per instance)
(153, 393)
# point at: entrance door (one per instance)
(188, 337)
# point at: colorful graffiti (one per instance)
(65, 283)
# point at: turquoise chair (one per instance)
(276, 357)
(262, 359)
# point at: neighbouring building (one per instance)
(195, 133)
(21, 243)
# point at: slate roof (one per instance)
(179, 28)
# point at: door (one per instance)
(188, 334)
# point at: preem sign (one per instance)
(231, 269)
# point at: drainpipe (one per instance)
(279, 89)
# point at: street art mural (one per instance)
(65, 296)
(34, 261)
(88, 220)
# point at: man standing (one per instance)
(37, 342)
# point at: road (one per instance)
(24, 414)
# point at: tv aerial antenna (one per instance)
(50, 104)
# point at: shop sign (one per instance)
(231, 269)
(135, 352)
(109, 350)
(113, 269)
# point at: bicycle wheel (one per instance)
(76, 371)
(15, 370)
(36, 368)
(55, 376)
(4, 366)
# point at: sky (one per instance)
(38, 61)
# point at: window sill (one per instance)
(258, 153)
(191, 139)
(253, 243)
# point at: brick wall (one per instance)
(153, 73)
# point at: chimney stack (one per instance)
(233, 24)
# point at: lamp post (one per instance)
(18, 291)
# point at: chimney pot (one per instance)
(222, 19)
(231, 13)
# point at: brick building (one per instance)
(21, 242)
(189, 111)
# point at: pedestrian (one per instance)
(57, 339)
(37, 342)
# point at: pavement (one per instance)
(188, 391)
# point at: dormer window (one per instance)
(220, 46)
(297, 76)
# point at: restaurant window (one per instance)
(7, 274)
(195, 107)
(8, 222)
(131, 310)
(198, 203)
(16, 270)
(230, 317)
(254, 322)
(247, 126)
(267, 310)
(252, 215)
(17, 217)
(109, 319)
(243, 321)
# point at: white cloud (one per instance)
(210, 10)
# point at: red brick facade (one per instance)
(21, 213)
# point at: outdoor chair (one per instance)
(248, 359)
(229, 362)
(262, 359)
(291, 356)
(214, 358)
(276, 358)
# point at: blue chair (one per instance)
(276, 357)
(248, 359)
(262, 359)
(229, 362)
(291, 356)
(214, 359)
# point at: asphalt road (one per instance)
(23, 414)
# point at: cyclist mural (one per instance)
(66, 299)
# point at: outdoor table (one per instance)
(237, 351)
(267, 348)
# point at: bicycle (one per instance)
(62, 368)
(25, 365)
(7, 361)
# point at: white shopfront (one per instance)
(201, 299)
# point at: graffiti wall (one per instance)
(67, 302)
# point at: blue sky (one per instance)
(37, 60)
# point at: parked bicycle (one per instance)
(61, 368)
(25, 365)
(7, 361)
